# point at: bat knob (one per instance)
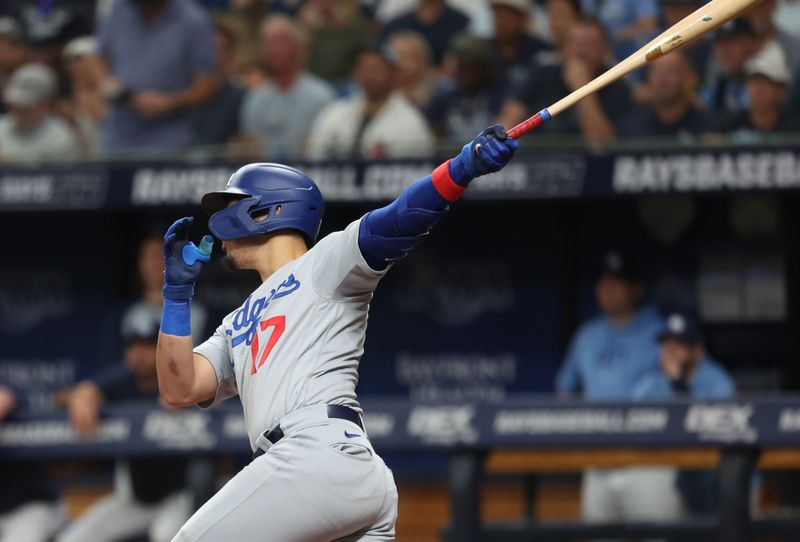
(500, 133)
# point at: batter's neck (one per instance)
(277, 252)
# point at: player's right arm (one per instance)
(184, 377)
(350, 263)
(389, 233)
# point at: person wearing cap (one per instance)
(278, 115)
(607, 354)
(685, 370)
(767, 86)
(14, 50)
(30, 132)
(605, 360)
(585, 55)
(473, 99)
(150, 496)
(376, 123)
(762, 18)
(734, 44)
(685, 367)
(512, 45)
(671, 110)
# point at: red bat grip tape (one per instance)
(530, 124)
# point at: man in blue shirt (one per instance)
(685, 370)
(685, 367)
(610, 353)
(608, 356)
(629, 22)
(160, 59)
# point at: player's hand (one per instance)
(183, 260)
(490, 151)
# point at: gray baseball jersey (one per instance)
(297, 340)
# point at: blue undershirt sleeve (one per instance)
(389, 233)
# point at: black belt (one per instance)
(334, 411)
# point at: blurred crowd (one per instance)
(373, 79)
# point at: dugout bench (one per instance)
(523, 435)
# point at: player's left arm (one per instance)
(389, 233)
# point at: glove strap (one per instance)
(175, 318)
(444, 183)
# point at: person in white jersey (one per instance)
(291, 351)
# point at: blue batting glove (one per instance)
(183, 260)
(490, 151)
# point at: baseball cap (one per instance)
(620, 265)
(30, 85)
(683, 327)
(141, 326)
(770, 62)
(735, 28)
(520, 5)
(79, 46)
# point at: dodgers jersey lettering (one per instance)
(297, 340)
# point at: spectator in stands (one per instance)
(606, 359)
(160, 60)
(685, 370)
(699, 52)
(49, 26)
(30, 131)
(29, 509)
(630, 23)
(562, 15)
(415, 77)
(150, 272)
(376, 123)
(437, 22)
(149, 493)
(217, 121)
(762, 18)
(279, 113)
(474, 98)
(672, 110)
(513, 46)
(337, 33)
(584, 58)
(734, 44)
(767, 87)
(14, 49)
(86, 106)
(244, 56)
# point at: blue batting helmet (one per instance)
(288, 197)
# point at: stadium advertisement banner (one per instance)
(534, 176)
(402, 426)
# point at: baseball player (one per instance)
(291, 351)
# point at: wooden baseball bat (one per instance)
(704, 20)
